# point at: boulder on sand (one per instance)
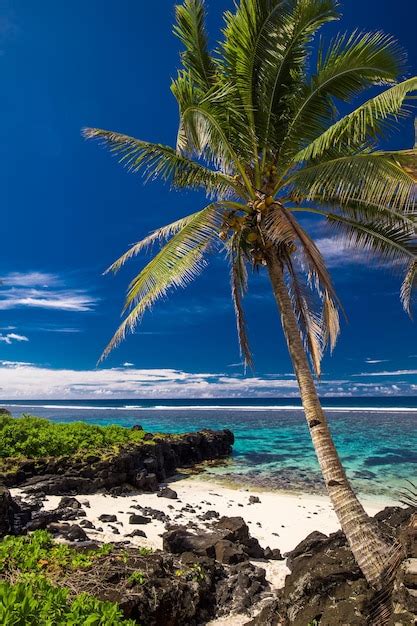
(166, 492)
(228, 542)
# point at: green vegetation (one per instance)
(31, 568)
(39, 553)
(137, 578)
(36, 602)
(144, 551)
(194, 572)
(34, 437)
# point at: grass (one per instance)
(34, 437)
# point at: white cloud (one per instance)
(374, 361)
(57, 329)
(66, 301)
(31, 279)
(28, 381)
(23, 380)
(10, 337)
(386, 373)
(41, 290)
(336, 252)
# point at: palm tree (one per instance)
(260, 133)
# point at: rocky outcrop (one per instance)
(140, 466)
(228, 542)
(162, 589)
(154, 589)
(14, 514)
(404, 596)
(243, 587)
(326, 587)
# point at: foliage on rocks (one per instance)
(34, 437)
(32, 569)
(36, 602)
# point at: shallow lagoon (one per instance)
(378, 444)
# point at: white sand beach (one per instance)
(280, 520)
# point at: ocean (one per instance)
(376, 437)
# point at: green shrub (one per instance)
(36, 602)
(38, 552)
(137, 578)
(30, 569)
(144, 551)
(34, 437)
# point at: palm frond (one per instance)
(263, 53)
(205, 134)
(159, 161)
(359, 210)
(369, 177)
(294, 245)
(409, 282)
(390, 242)
(247, 39)
(309, 322)
(278, 227)
(366, 123)
(283, 67)
(179, 262)
(160, 234)
(190, 29)
(330, 322)
(239, 284)
(307, 250)
(408, 495)
(349, 65)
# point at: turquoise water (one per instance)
(376, 437)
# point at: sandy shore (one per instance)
(280, 520)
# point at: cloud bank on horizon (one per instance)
(20, 380)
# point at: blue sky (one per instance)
(68, 210)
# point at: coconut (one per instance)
(252, 237)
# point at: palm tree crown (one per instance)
(260, 132)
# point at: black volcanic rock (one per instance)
(241, 589)
(229, 553)
(273, 555)
(325, 583)
(139, 519)
(141, 466)
(14, 514)
(137, 533)
(104, 517)
(166, 492)
(228, 542)
(67, 502)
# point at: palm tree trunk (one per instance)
(373, 553)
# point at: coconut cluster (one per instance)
(248, 226)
